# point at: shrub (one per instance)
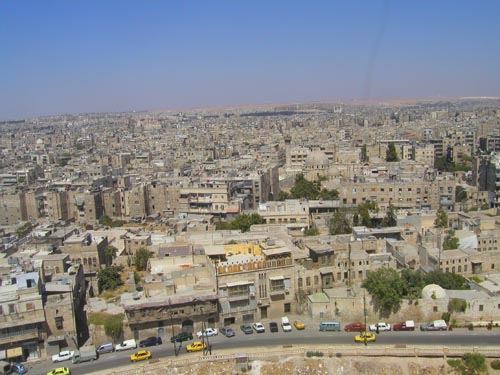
(314, 354)
(470, 364)
(495, 364)
(471, 327)
(113, 326)
(457, 305)
(446, 317)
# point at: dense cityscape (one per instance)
(170, 221)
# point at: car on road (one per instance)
(183, 336)
(19, 368)
(247, 329)
(365, 337)
(273, 327)
(408, 325)
(150, 341)
(379, 327)
(196, 346)
(65, 355)
(436, 325)
(298, 325)
(208, 332)
(141, 355)
(227, 331)
(60, 371)
(355, 327)
(259, 327)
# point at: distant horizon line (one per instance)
(392, 101)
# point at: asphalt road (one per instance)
(460, 337)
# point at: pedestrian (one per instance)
(210, 349)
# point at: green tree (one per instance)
(243, 222)
(339, 223)
(105, 220)
(109, 278)
(470, 364)
(460, 194)
(413, 283)
(364, 154)
(441, 219)
(446, 280)
(457, 305)
(365, 210)
(304, 189)
(283, 195)
(113, 326)
(386, 287)
(328, 195)
(313, 231)
(141, 258)
(390, 219)
(391, 153)
(24, 230)
(450, 241)
(110, 254)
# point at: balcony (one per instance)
(19, 335)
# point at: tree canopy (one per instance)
(390, 219)
(364, 211)
(310, 190)
(391, 154)
(141, 258)
(450, 241)
(109, 278)
(441, 219)
(340, 223)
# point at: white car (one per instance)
(208, 332)
(259, 327)
(65, 355)
(381, 327)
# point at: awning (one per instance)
(14, 352)
(238, 283)
(274, 278)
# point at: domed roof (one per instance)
(39, 141)
(317, 158)
(433, 290)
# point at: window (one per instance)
(12, 308)
(30, 306)
(481, 307)
(59, 322)
(316, 281)
(435, 308)
(287, 307)
(308, 281)
(300, 283)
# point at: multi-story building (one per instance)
(204, 198)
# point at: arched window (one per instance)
(300, 282)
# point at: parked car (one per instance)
(285, 324)
(355, 327)
(65, 355)
(105, 348)
(60, 371)
(227, 331)
(273, 327)
(436, 325)
(298, 325)
(19, 368)
(365, 336)
(126, 345)
(150, 341)
(259, 327)
(183, 336)
(247, 329)
(379, 327)
(196, 346)
(409, 325)
(140, 355)
(208, 332)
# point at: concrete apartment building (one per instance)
(204, 198)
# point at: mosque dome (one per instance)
(317, 160)
(433, 290)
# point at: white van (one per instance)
(126, 345)
(285, 324)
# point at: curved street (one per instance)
(457, 337)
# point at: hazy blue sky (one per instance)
(85, 56)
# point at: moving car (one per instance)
(183, 336)
(355, 327)
(60, 371)
(298, 325)
(227, 331)
(247, 329)
(65, 355)
(436, 325)
(140, 355)
(208, 332)
(106, 348)
(196, 346)
(259, 327)
(126, 345)
(273, 327)
(19, 368)
(409, 325)
(285, 324)
(331, 325)
(150, 341)
(365, 336)
(380, 326)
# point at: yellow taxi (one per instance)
(60, 371)
(298, 325)
(196, 346)
(140, 355)
(365, 336)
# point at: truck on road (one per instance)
(408, 325)
(85, 354)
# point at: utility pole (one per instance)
(364, 312)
